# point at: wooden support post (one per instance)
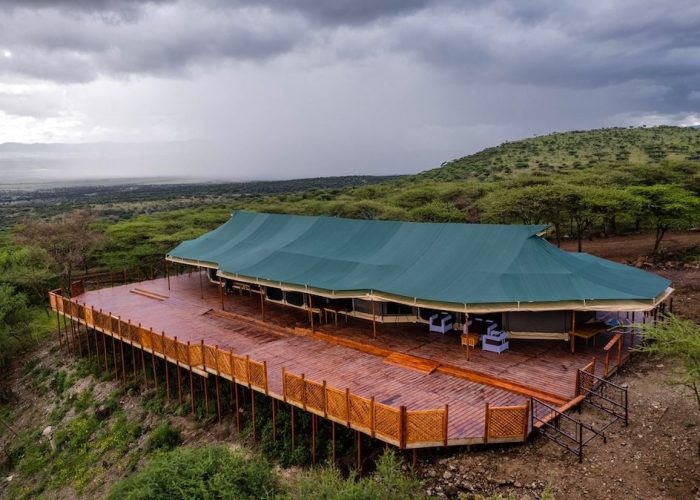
(333, 440)
(221, 292)
(414, 460)
(87, 337)
(153, 360)
(274, 420)
(262, 303)
(201, 284)
(292, 422)
(65, 329)
(573, 329)
(114, 350)
(58, 324)
(218, 374)
(104, 341)
(189, 365)
(252, 411)
(167, 272)
(179, 375)
(486, 423)
(374, 322)
(238, 411)
(121, 349)
(143, 362)
(133, 349)
(358, 440)
(619, 352)
(94, 336)
(313, 439)
(76, 332)
(444, 426)
(205, 381)
(466, 331)
(311, 313)
(165, 365)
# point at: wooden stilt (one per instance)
(218, 374)
(165, 365)
(87, 339)
(238, 411)
(333, 440)
(153, 361)
(573, 329)
(179, 376)
(114, 352)
(104, 344)
(252, 411)
(143, 362)
(221, 292)
(65, 329)
(374, 322)
(133, 349)
(58, 325)
(414, 460)
(189, 365)
(311, 313)
(262, 303)
(292, 422)
(201, 284)
(205, 381)
(121, 349)
(359, 450)
(274, 420)
(313, 439)
(74, 325)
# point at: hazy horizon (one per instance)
(297, 89)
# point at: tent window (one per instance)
(295, 298)
(274, 294)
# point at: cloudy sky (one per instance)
(291, 88)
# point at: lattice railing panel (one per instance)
(257, 374)
(315, 396)
(195, 354)
(224, 363)
(89, 320)
(425, 426)
(387, 421)
(337, 403)
(507, 422)
(183, 353)
(360, 411)
(210, 357)
(170, 348)
(240, 369)
(293, 388)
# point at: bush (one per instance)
(387, 482)
(206, 472)
(164, 437)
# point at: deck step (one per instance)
(422, 365)
(150, 295)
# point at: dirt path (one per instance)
(630, 248)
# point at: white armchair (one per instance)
(440, 322)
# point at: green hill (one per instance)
(576, 150)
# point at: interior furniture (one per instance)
(440, 323)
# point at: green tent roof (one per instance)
(475, 267)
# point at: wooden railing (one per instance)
(201, 356)
(616, 340)
(506, 422)
(398, 426)
(95, 281)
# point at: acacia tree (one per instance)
(667, 206)
(68, 240)
(678, 338)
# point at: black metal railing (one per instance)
(564, 430)
(604, 395)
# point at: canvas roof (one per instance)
(459, 267)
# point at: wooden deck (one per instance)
(405, 365)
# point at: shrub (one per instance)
(387, 482)
(206, 472)
(164, 437)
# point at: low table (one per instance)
(335, 310)
(590, 331)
